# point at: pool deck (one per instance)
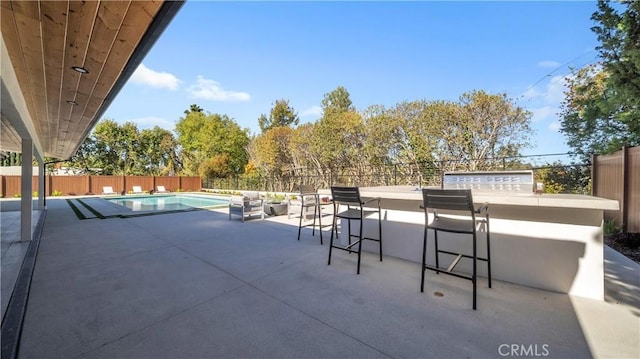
(196, 285)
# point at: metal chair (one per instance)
(246, 205)
(454, 200)
(350, 196)
(309, 198)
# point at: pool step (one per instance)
(80, 207)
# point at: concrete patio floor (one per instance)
(196, 285)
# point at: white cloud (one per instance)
(146, 76)
(313, 111)
(532, 93)
(554, 93)
(151, 121)
(542, 113)
(211, 90)
(548, 64)
(554, 126)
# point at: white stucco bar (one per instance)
(547, 241)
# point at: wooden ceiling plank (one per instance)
(54, 28)
(29, 9)
(11, 141)
(30, 39)
(103, 36)
(132, 29)
(80, 19)
(108, 22)
(14, 49)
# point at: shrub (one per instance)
(610, 227)
(17, 195)
(56, 193)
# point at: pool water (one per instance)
(167, 202)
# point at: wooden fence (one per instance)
(10, 186)
(617, 176)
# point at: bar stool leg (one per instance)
(313, 227)
(331, 239)
(424, 255)
(435, 236)
(359, 245)
(488, 253)
(380, 231)
(474, 277)
(301, 214)
(320, 221)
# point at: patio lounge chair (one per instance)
(137, 190)
(161, 189)
(108, 190)
(248, 204)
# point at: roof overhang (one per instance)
(43, 98)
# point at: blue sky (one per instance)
(237, 58)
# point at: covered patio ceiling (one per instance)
(63, 62)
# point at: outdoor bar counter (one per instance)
(547, 241)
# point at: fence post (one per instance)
(594, 173)
(625, 190)
(395, 174)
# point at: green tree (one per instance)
(281, 115)
(204, 136)
(108, 147)
(601, 111)
(338, 100)
(193, 108)
(588, 116)
(158, 152)
(337, 141)
(619, 35)
(85, 158)
(481, 129)
(271, 153)
(10, 158)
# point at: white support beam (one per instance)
(26, 195)
(41, 186)
(14, 107)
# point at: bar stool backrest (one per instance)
(307, 189)
(346, 195)
(448, 199)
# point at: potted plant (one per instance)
(275, 204)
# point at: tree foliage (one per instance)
(203, 137)
(338, 100)
(121, 149)
(281, 115)
(422, 134)
(601, 111)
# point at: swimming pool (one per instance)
(167, 202)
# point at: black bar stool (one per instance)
(454, 200)
(350, 196)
